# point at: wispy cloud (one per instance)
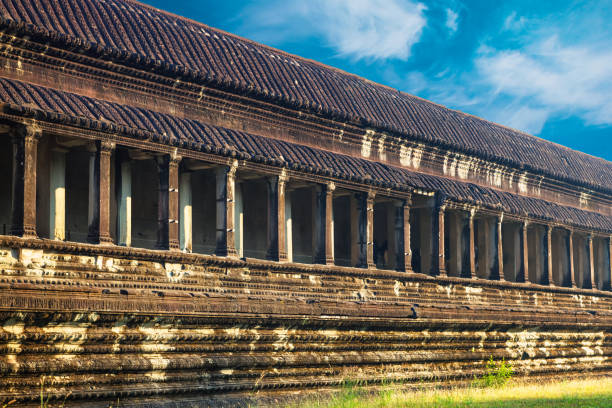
(452, 20)
(514, 22)
(357, 29)
(544, 72)
(549, 76)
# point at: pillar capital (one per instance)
(30, 132)
(107, 146)
(174, 161)
(473, 212)
(408, 199)
(283, 177)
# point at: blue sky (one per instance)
(544, 67)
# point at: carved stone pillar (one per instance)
(324, 225)
(524, 252)
(472, 245)
(610, 262)
(363, 261)
(276, 218)
(23, 206)
(591, 261)
(288, 227)
(168, 203)
(186, 212)
(500, 247)
(57, 194)
(405, 255)
(398, 235)
(238, 220)
(124, 212)
(226, 185)
(572, 267)
(99, 193)
(439, 256)
(549, 260)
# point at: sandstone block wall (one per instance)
(151, 328)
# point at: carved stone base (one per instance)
(206, 331)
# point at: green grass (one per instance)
(592, 393)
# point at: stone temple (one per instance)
(189, 218)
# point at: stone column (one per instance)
(361, 209)
(369, 230)
(324, 225)
(524, 272)
(226, 186)
(549, 260)
(610, 261)
(168, 203)
(57, 194)
(439, 259)
(472, 245)
(23, 206)
(570, 248)
(186, 212)
(276, 218)
(358, 245)
(500, 247)
(288, 227)
(238, 220)
(591, 261)
(398, 230)
(407, 253)
(124, 213)
(99, 193)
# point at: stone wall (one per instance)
(102, 324)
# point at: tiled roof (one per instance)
(138, 35)
(56, 106)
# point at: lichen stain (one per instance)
(366, 144)
(522, 183)
(417, 155)
(382, 155)
(396, 288)
(405, 155)
(584, 199)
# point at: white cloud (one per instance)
(452, 20)
(359, 29)
(514, 23)
(548, 76)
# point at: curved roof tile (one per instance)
(139, 34)
(52, 105)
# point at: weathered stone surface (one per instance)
(101, 328)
